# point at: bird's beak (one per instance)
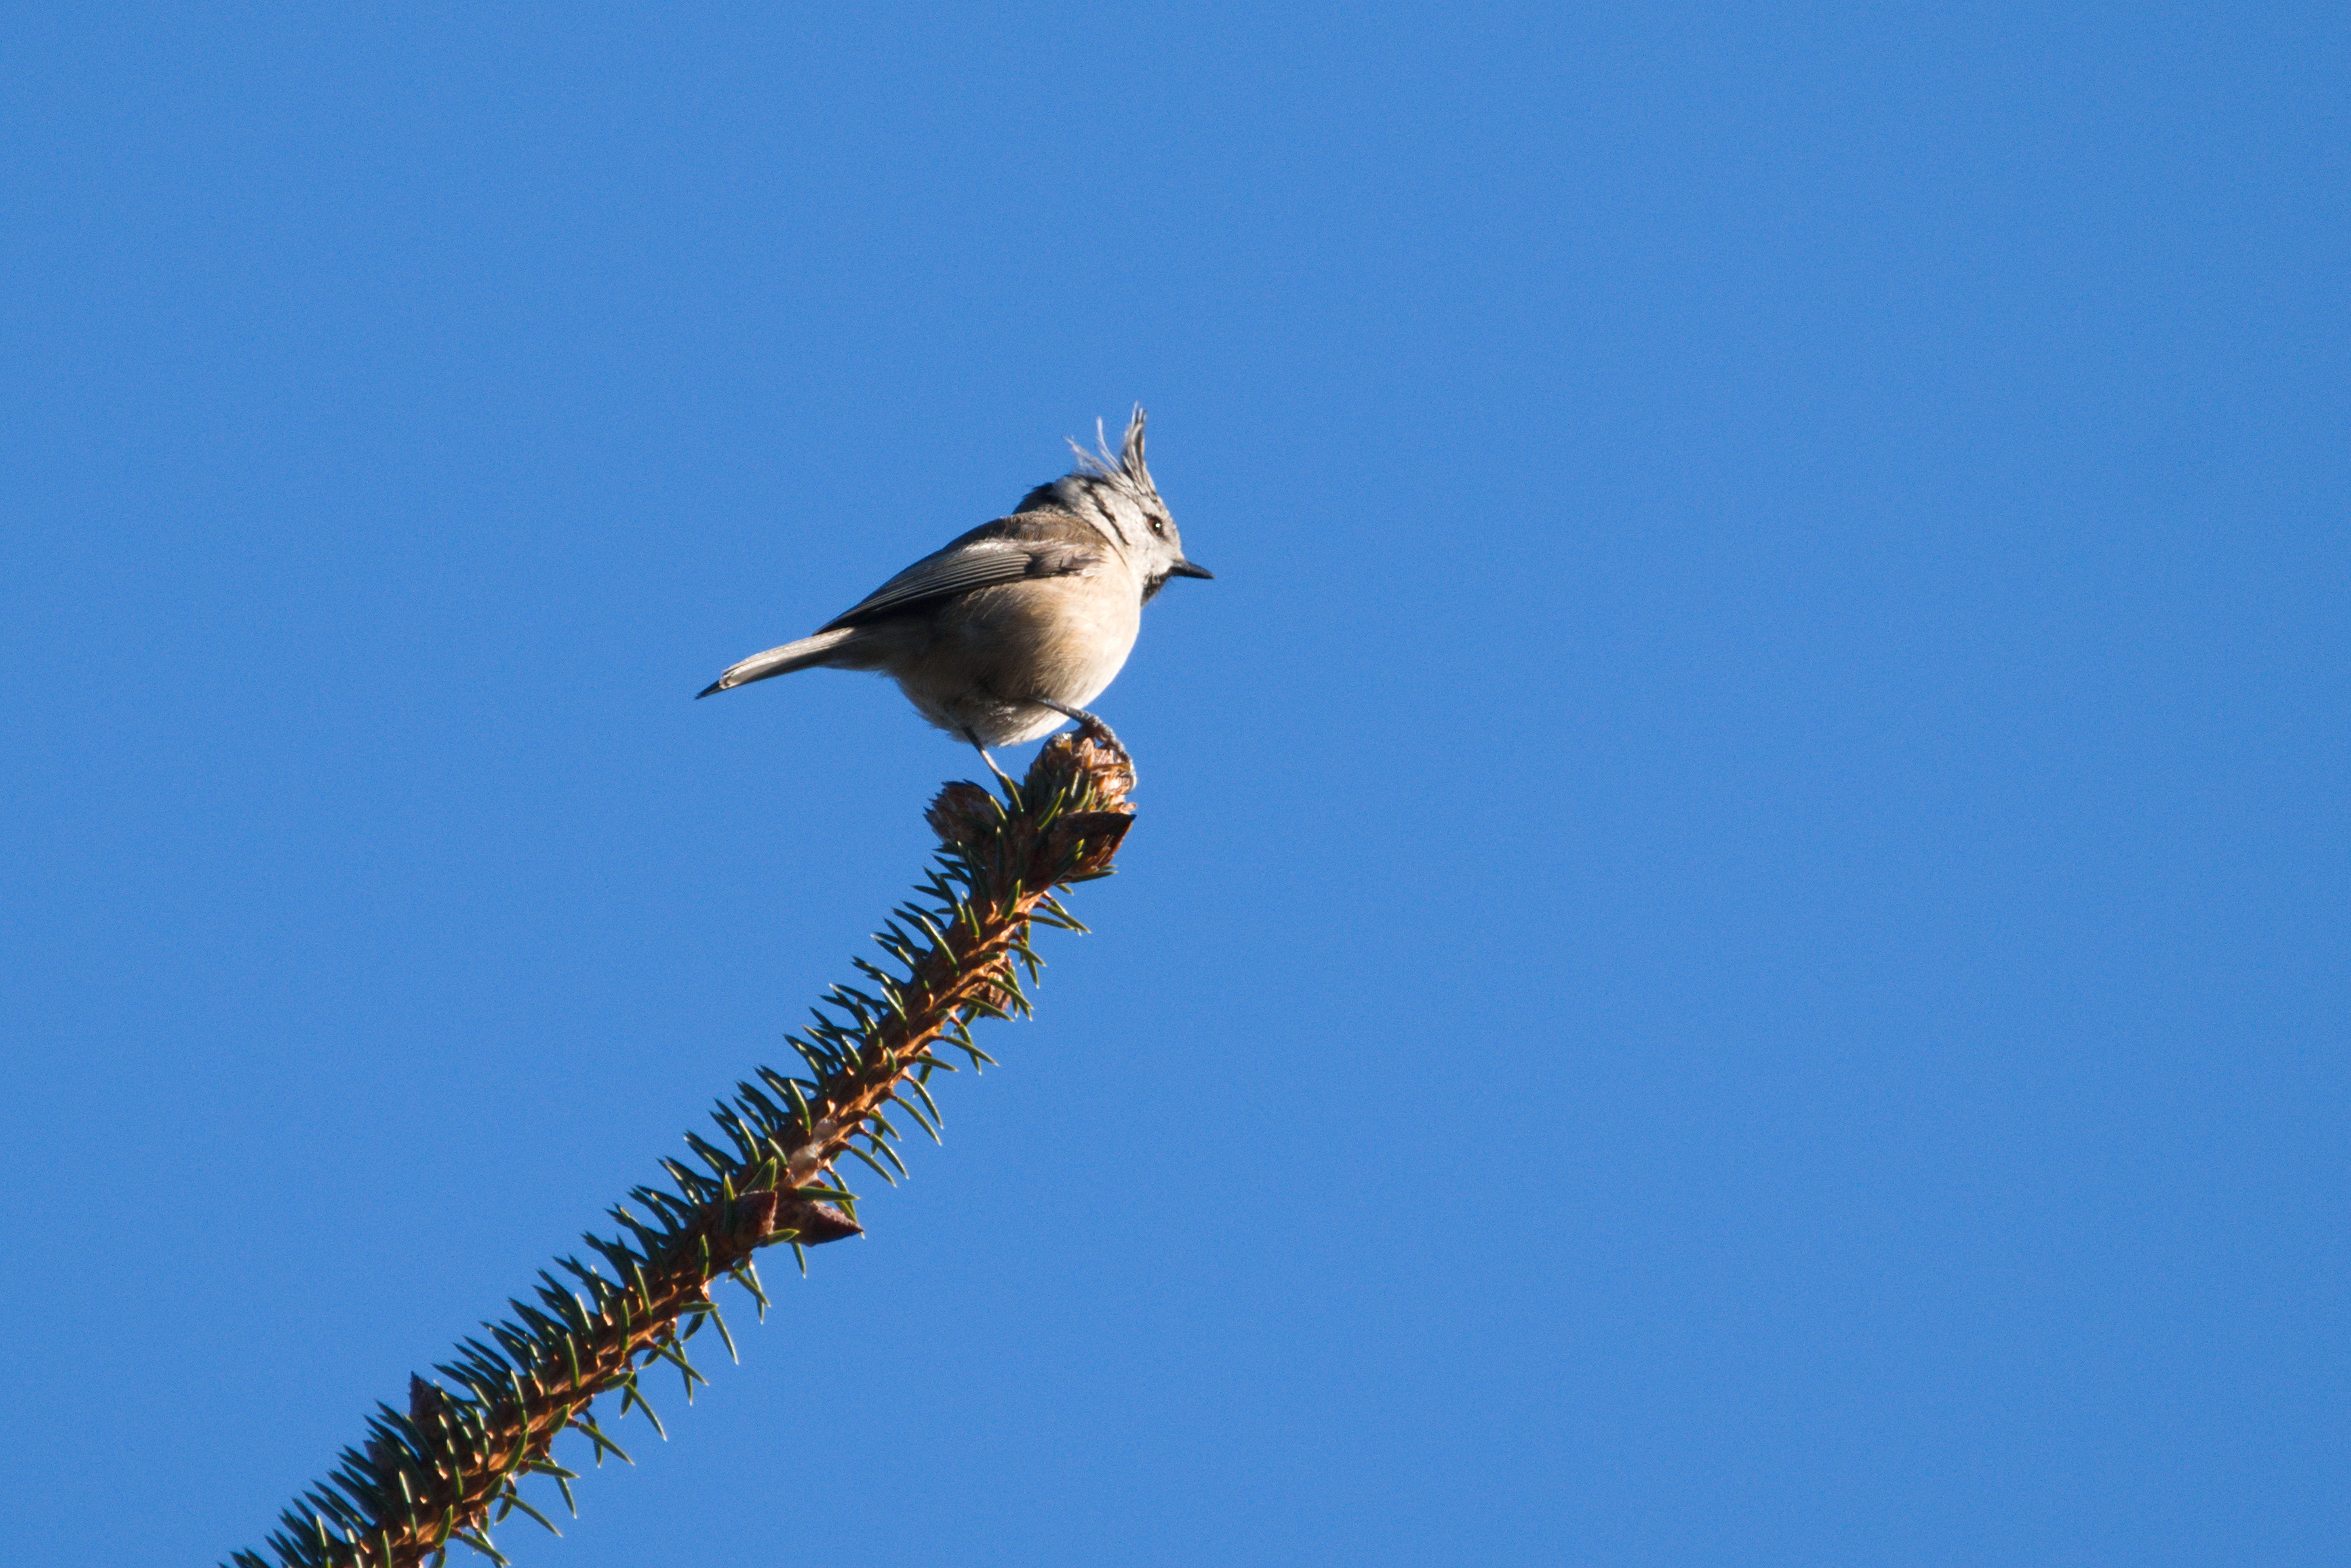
(1186, 569)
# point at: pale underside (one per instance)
(975, 673)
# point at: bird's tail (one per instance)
(780, 660)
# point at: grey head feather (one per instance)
(1114, 495)
(1125, 474)
(1126, 470)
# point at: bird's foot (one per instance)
(1096, 730)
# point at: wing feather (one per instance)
(1005, 550)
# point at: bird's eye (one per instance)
(1159, 528)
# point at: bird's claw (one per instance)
(1092, 727)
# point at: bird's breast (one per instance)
(1059, 637)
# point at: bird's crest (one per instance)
(1126, 470)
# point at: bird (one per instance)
(1012, 629)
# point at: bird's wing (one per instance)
(1005, 550)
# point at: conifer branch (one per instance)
(449, 1468)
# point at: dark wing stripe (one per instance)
(958, 570)
(936, 577)
(1030, 544)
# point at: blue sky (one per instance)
(1735, 951)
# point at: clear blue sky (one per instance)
(1736, 949)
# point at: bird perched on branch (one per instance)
(1015, 626)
